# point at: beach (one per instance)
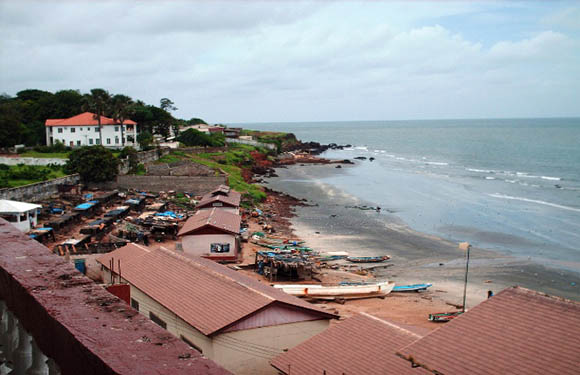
(332, 220)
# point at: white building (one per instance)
(83, 130)
(20, 214)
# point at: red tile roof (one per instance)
(216, 218)
(86, 118)
(362, 344)
(205, 294)
(518, 331)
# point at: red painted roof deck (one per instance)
(86, 118)
(363, 344)
(206, 295)
(518, 331)
(78, 324)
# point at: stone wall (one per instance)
(39, 191)
(31, 161)
(196, 185)
(269, 146)
(143, 157)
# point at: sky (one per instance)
(283, 61)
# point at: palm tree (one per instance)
(123, 107)
(98, 102)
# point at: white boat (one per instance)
(315, 290)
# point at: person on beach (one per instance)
(489, 294)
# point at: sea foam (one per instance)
(503, 196)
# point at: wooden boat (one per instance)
(333, 255)
(444, 317)
(314, 290)
(411, 288)
(368, 259)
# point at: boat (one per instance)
(368, 259)
(315, 290)
(444, 317)
(333, 255)
(411, 288)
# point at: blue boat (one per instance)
(411, 288)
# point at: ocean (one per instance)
(510, 185)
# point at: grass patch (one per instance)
(19, 175)
(35, 154)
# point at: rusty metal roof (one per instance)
(217, 218)
(205, 294)
(518, 331)
(222, 194)
(363, 344)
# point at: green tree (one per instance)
(123, 108)
(93, 164)
(11, 128)
(192, 137)
(145, 139)
(98, 102)
(196, 121)
(167, 105)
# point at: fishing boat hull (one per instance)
(411, 288)
(444, 317)
(314, 290)
(368, 259)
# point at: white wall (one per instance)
(85, 134)
(200, 244)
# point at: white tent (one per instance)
(20, 214)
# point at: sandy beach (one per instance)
(333, 221)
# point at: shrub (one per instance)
(93, 164)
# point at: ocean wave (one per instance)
(544, 203)
(490, 178)
(436, 163)
(361, 148)
(551, 178)
(479, 170)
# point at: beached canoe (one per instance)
(444, 317)
(314, 290)
(411, 288)
(368, 259)
(333, 255)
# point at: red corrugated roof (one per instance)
(216, 218)
(205, 294)
(221, 194)
(86, 118)
(362, 344)
(518, 331)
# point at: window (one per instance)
(98, 141)
(10, 218)
(108, 141)
(157, 320)
(116, 128)
(97, 129)
(116, 140)
(192, 345)
(219, 248)
(90, 141)
(60, 130)
(81, 129)
(78, 143)
(218, 204)
(129, 127)
(72, 130)
(135, 304)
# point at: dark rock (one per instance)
(338, 166)
(371, 159)
(361, 158)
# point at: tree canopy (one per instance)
(23, 116)
(93, 164)
(192, 137)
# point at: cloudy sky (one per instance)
(303, 61)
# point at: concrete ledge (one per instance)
(85, 329)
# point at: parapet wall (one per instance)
(192, 184)
(38, 191)
(78, 324)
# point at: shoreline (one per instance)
(416, 257)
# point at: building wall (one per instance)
(31, 161)
(82, 135)
(175, 324)
(249, 352)
(199, 244)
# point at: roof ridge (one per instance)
(392, 325)
(527, 291)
